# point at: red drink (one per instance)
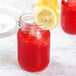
(33, 47)
(68, 16)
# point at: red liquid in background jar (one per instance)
(33, 48)
(68, 16)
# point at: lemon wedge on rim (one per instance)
(46, 18)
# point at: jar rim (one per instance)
(25, 19)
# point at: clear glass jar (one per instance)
(68, 16)
(33, 44)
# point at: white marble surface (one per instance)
(63, 56)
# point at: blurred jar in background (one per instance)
(68, 16)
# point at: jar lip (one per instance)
(26, 15)
(69, 0)
(28, 19)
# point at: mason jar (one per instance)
(33, 44)
(68, 16)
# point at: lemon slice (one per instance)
(53, 3)
(46, 18)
